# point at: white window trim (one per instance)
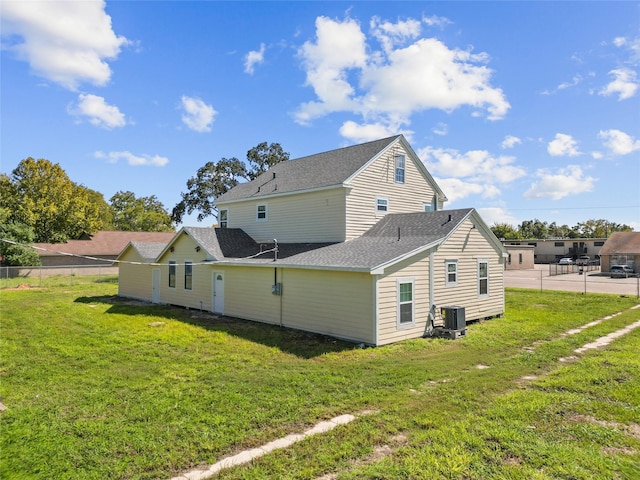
(446, 273)
(175, 275)
(396, 168)
(266, 212)
(382, 212)
(483, 260)
(184, 276)
(220, 218)
(400, 281)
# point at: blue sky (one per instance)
(521, 110)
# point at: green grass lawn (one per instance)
(96, 387)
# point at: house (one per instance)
(621, 248)
(101, 248)
(351, 243)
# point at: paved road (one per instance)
(591, 282)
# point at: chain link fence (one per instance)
(16, 277)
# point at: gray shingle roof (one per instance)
(393, 237)
(315, 171)
(382, 244)
(622, 243)
(149, 251)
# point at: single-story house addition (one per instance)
(352, 243)
(375, 289)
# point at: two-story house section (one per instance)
(332, 196)
(351, 243)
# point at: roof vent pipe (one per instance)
(274, 174)
(449, 218)
(398, 233)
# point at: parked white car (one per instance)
(620, 271)
(565, 261)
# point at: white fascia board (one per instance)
(379, 270)
(284, 194)
(278, 264)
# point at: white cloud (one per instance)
(407, 75)
(561, 183)
(133, 160)
(365, 133)
(510, 141)
(65, 42)
(620, 143)
(435, 21)
(497, 215)
(625, 84)
(574, 81)
(564, 145)
(477, 165)
(456, 189)
(391, 34)
(254, 57)
(197, 115)
(98, 112)
(440, 129)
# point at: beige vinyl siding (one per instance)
(315, 217)
(417, 269)
(378, 180)
(134, 281)
(199, 297)
(468, 245)
(339, 304)
(247, 293)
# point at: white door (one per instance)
(218, 292)
(155, 289)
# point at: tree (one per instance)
(561, 231)
(262, 157)
(534, 229)
(599, 228)
(505, 231)
(18, 253)
(144, 214)
(214, 179)
(41, 196)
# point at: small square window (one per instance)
(261, 213)
(452, 273)
(382, 205)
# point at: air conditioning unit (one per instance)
(453, 318)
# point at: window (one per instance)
(382, 205)
(431, 207)
(172, 274)
(188, 275)
(405, 302)
(399, 168)
(223, 220)
(598, 244)
(452, 273)
(261, 213)
(509, 262)
(558, 244)
(520, 258)
(483, 277)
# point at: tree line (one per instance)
(537, 229)
(39, 203)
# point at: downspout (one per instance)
(281, 292)
(376, 278)
(432, 282)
